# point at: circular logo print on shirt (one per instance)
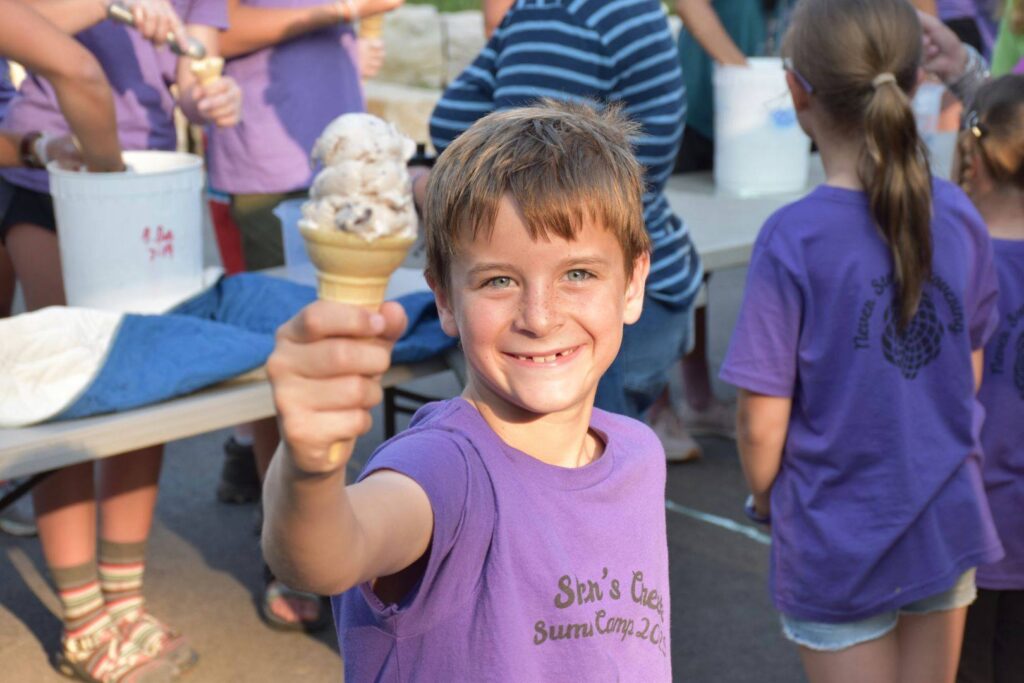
(919, 344)
(1018, 366)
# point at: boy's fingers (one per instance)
(311, 435)
(323, 319)
(326, 358)
(327, 395)
(395, 320)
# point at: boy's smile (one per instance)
(540, 321)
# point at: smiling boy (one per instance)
(515, 532)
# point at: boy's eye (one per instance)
(499, 282)
(578, 275)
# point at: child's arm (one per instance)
(701, 21)
(254, 28)
(761, 425)
(318, 534)
(978, 365)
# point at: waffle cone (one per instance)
(207, 69)
(350, 269)
(371, 27)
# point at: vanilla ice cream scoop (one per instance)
(361, 137)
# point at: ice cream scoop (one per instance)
(207, 70)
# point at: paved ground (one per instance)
(203, 573)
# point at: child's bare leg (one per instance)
(127, 492)
(695, 370)
(66, 516)
(265, 439)
(7, 282)
(929, 645)
(36, 258)
(876, 660)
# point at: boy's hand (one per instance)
(325, 373)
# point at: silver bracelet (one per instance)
(39, 149)
(974, 76)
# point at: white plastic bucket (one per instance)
(289, 212)
(759, 146)
(131, 241)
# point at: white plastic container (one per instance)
(927, 104)
(289, 212)
(131, 241)
(759, 146)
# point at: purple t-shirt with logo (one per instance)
(290, 92)
(139, 74)
(535, 572)
(879, 500)
(1002, 394)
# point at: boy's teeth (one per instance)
(544, 359)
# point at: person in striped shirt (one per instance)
(619, 52)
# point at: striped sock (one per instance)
(120, 571)
(82, 601)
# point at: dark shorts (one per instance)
(262, 244)
(25, 206)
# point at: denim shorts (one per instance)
(824, 637)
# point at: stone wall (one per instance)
(426, 50)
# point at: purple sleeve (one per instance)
(983, 286)
(441, 463)
(762, 355)
(203, 12)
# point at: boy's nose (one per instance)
(539, 311)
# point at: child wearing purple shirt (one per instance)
(108, 635)
(991, 170)
(515, 532)
(858, 351)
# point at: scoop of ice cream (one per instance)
(368, 217)
(207, 69)
(350, 178)
(361, 137)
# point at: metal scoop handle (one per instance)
(193, 49)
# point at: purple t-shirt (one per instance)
(6, 87)
(1002, 394)
(536, 572)
(879, 500)
(290, 92)
(139, 74)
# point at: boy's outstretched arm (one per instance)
(320, 535)
(761, 425)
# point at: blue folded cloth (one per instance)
(223, 332)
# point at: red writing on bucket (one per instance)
(159, 242)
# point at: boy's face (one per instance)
(540, 321)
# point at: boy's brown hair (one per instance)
(560, 163)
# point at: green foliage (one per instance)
(449, 5)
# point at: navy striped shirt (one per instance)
(594, 50)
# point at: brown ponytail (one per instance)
(894, 170)
(861, 57)
(994, 136)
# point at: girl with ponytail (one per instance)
(990, 168)
(857, 353)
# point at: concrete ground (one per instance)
(203, 572)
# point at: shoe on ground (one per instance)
(18, 519)
(718, 419)
(103, 656)
(239, 480)
(158, 640)
(679, 445)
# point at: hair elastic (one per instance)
(973, 123)
(883, 78)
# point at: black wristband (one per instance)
(27, 150)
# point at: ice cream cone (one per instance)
(351, 269)
(207, 70)
(371, 27)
